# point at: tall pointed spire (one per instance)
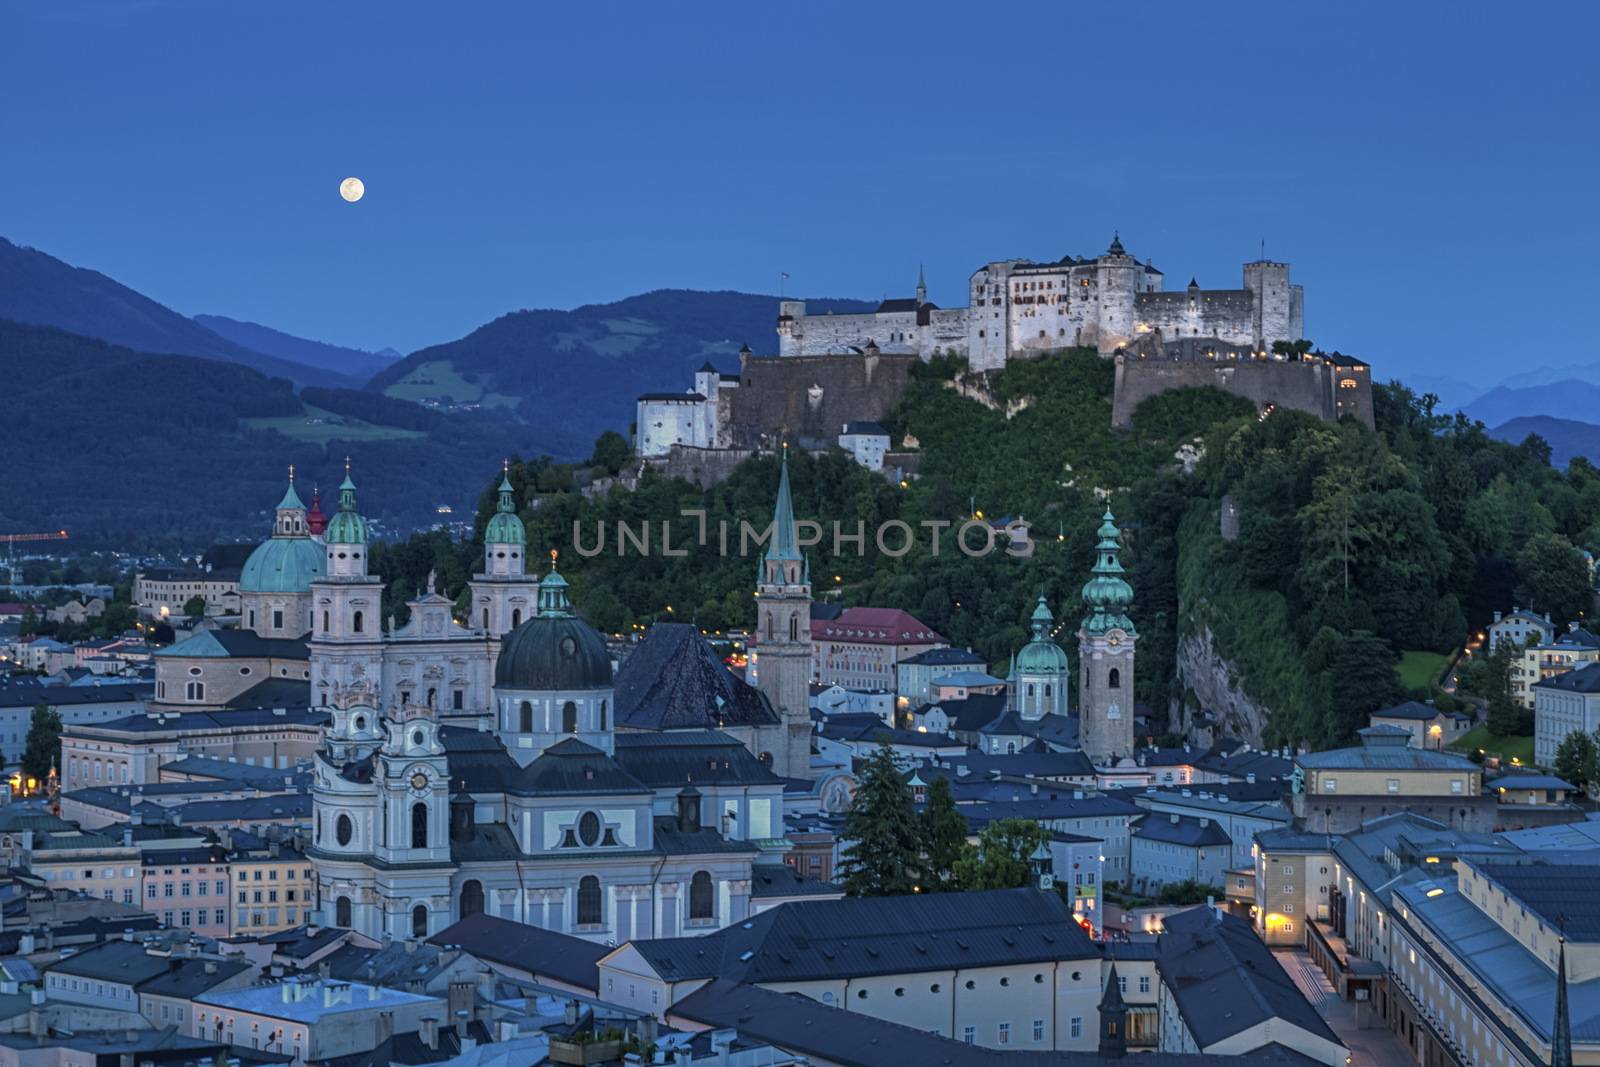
(291, 499)
(347, 526)
(785, 546)
(1561, 1031)
(504, 526)
(1113, 1016)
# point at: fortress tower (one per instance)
(1106, 643)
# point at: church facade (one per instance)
(472, 771)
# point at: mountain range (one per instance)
(103, 378)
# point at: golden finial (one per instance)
(291, 474)
(553, 555)
(347, 466)
(505, 466)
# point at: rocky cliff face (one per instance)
(1202, 669)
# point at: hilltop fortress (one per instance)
(837, 369)
(1017, 307)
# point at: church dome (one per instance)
(1041, 655)
(282, 565)
(504, 527)
(554, 651)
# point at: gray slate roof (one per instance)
(1225, 980)
(1584, 679)
(1181, 830)
(569, 959)
(856, 937)
(675, 680)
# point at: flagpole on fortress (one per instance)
(783, 276)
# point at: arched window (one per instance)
(419, 825)
(471, 898)
(324, 620)
(525, 717)
(1030, 689)
(485, 618)
(343, 830)
(569, 718)
(794, 627)
(516, 617)
(1011, 748)
(195, 690)
(602, 715)
(356, 623)
(419, 921)
(590, 912)
(769, 626)
(1047, 690)
(341, 912)
(432, 695)
(1114, 679)
(702, 903)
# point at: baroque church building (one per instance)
(479, 770)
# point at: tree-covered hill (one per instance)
(1354, 544)
(590, 363)
(130, 450)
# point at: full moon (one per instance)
(352, 189)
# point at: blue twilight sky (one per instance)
(1429, 169)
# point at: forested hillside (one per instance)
(1354, 545)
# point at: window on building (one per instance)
(419, 825)
(191, 691)
(343, 830)
(357, 623)
(419, 921)
(702, 902)
(969, 1034)
(1114, 679)
(471, 898)
(457, 697)
(1003, 1034)
(525, 717)
(590, 912)
(277, 619)
(1144, 983)
(1038, 1029)
(569, 718)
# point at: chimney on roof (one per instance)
(428, 1032)
(1250, 778)
(1174, 819)
(383, 1028)
(570, 1013)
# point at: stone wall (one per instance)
(808, 399)
(1312, 386)
(703, 466)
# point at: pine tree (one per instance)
(944, 836)
(1503, 717)
(881, 859)
(43, 749)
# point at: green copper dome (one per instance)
(1107, 595)
(555, 651)
(504, 527)
(347, 527)
(1041, 655)
(282, 565)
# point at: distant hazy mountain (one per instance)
(40, 289)
(1550, 375)
(1569, 399)
(1567, 437)
(136, 448)
(352, 362)
(587, 365)
(1453, 393)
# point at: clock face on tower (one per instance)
(419, 781)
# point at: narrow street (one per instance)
(1370, 1046)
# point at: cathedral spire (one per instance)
(504, 526)
(1113, 1016)
(785, 546)
(1561, 1031)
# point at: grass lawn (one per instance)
(436, 380)
(1418, 670)
(319, 427)
(1516, 747)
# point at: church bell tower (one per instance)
(1106, 643)
(783, 634)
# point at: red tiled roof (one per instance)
(878, 626)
